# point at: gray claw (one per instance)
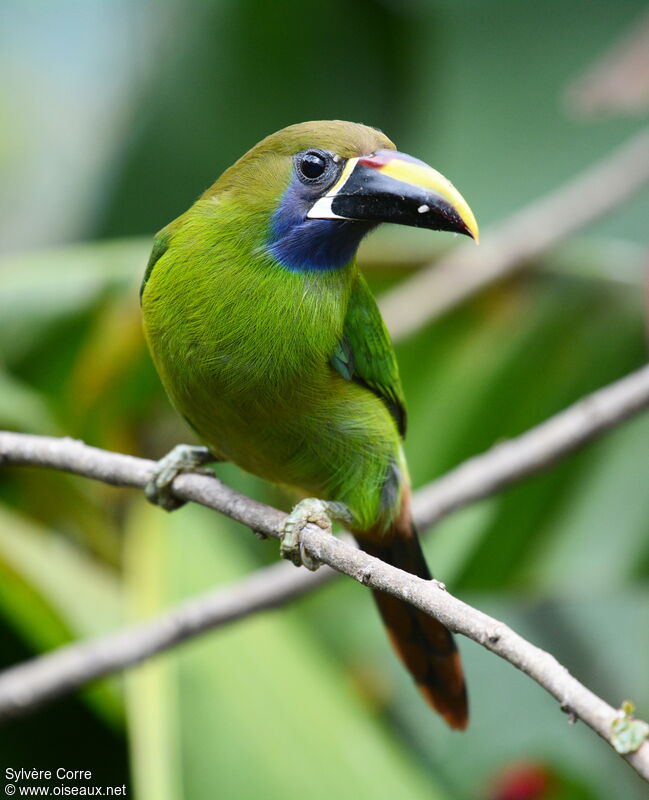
(183, 458)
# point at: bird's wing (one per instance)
(160, 247)
(365, 353)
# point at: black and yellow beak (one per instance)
(389, 186)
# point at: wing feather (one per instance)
(365, 353)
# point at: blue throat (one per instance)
(309, 245)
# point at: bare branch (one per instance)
(618, 81)
(506, 463)
(25, 686)
(522, 237)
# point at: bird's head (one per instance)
(319, 187)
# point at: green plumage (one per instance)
(365, 352)
(249, 352)
(287, 369)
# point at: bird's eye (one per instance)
(317, 168)
(312, 165)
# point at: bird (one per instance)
(270, 344)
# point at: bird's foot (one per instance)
(183, 458)
(317, 512)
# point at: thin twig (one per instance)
(517, 241)
(533, 451)
(25, 686)
(618, 81)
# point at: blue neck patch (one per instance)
(309, 245)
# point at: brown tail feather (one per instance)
(424, 645)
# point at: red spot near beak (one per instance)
(376, 160)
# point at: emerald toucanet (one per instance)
(270, 344)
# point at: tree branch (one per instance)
(506, 463)
(618, 81)
(533, 451)
(25, 686)
(515, 242)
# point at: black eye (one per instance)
(318, 169)
(312, 165)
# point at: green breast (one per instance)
(241, 345)
(244, 347)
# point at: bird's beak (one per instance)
(389, 186)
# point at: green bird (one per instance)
(270, 344)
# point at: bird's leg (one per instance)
(183, 458)
(310, 510)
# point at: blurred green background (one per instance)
(116, 115)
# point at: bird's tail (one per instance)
(423, 644)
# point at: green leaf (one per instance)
(54, 593)
(600, 536)
(40, 289)
(628, 733)
(23, 408)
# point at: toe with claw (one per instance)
(183, 458)
(310, 510)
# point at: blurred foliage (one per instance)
(114, 129)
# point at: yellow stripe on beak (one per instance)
(425, 177)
